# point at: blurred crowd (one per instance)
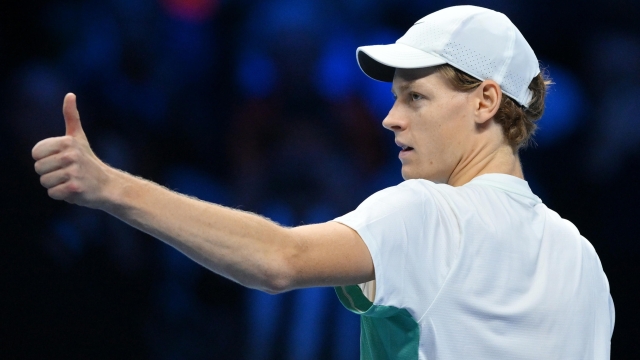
(260, 106)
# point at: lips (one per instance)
(403, 146)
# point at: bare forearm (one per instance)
(238, 245)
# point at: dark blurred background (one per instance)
(260, 105)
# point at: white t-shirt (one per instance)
(480, 271)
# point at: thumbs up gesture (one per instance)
(72, 117)
(67, 167)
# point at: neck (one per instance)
(487, 160)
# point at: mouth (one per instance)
(405, 149)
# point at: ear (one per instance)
(488, 97)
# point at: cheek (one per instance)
(441, 133)
(434, 130)
(454, 123)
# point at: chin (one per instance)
(407, 174)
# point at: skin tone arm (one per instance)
(241, 246)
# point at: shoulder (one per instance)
(408, 192)
(411, 198)
(410, 204)
(564, 230)
(559, 223)
(407, 202)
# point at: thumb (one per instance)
(72, 116)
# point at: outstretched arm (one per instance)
(244, 247)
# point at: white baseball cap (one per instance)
(480, 42)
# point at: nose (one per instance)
(394, 121)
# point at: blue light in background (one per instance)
(377, 94)
(338, 72)
(69, 235)
(98, 47)
(564, 106)
(256, 74)
(379, 98)
(176, 295)
(309, 309)
(270, 20)
(265, 313)
(190, 181)
(290, 15)
(345, 333)
(191, 45)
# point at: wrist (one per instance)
(116, 188)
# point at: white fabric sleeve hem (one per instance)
(374, 252)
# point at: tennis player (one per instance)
(460, 261)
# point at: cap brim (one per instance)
(380, 62)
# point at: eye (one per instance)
(415, 97)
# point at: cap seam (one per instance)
(509, 54)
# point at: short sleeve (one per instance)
(411, 236)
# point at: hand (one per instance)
(67, 166)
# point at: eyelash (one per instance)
(412, 96)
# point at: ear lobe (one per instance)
(490, 97)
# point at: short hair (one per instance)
(518, 122)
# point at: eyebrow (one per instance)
(404, 87)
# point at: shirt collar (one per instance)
(508, 183)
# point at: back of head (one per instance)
(518, 122)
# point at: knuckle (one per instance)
(66, 141)
(64, 157)
(69, 157)
(73, 171)
(73, 188)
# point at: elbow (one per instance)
(275, 287)
(282, 275)
(276, 282)
(283, 278)
(277, 269)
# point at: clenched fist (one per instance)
(67, 166)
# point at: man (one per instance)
(460, 261)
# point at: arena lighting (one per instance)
(256, 74)
(564, 106)
(190, 10)
(337, 74)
